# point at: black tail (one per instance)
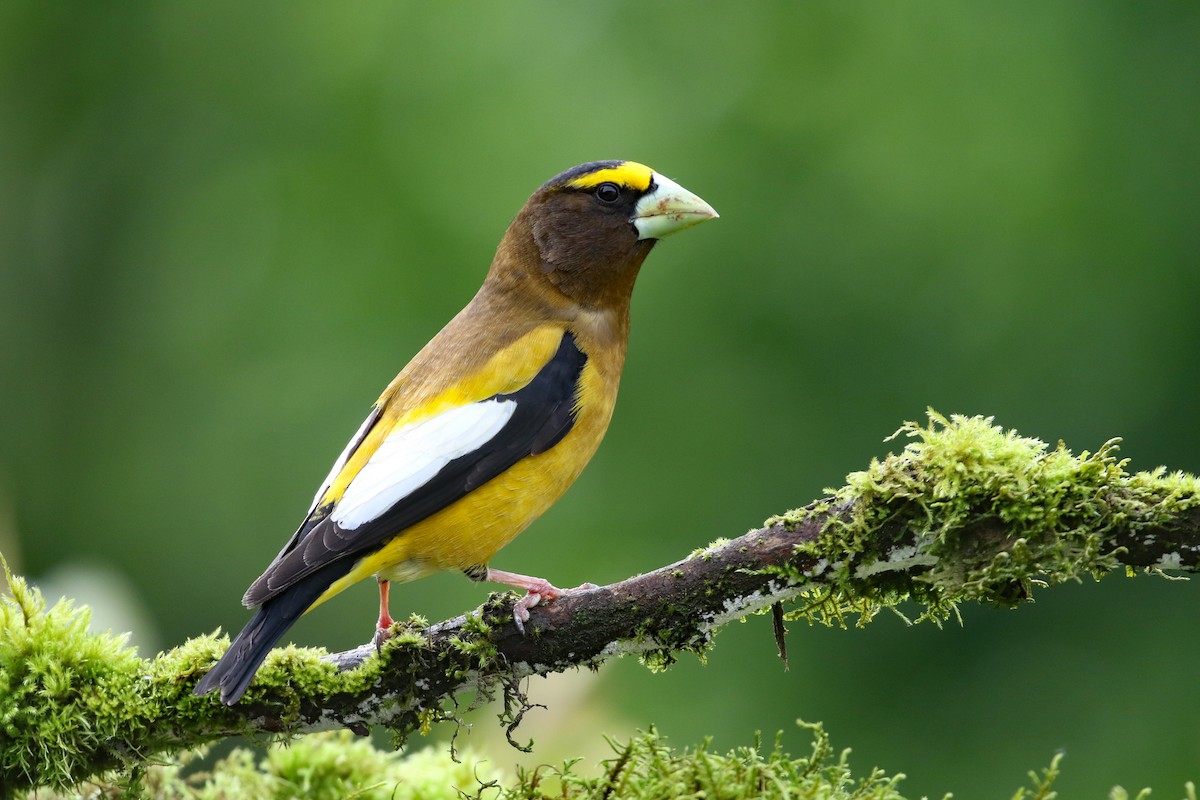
(236, 668)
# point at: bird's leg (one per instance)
(536, 590)
(383, 628)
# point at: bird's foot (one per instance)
(381, 636)
(531, 599)
(383, 632)
(536, 590)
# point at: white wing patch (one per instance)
(351, 446)
(410, 456)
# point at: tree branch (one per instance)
(966, 511)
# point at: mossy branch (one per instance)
(967, 511)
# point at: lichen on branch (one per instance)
(966, 511)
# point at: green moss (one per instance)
(647, 768)
(664, 637)
(970, 511)
(474, 640)
(708, 552)
(75, 704)
(322, 766)
(657, 660)
(1119, 793)
(338, 765)
(68, 695)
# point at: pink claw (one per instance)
(537, 590)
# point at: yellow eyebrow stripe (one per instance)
(627, 173)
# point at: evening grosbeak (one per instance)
(490, 423)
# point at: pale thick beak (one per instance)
(669, 208)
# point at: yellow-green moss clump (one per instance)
(336, 765)
(332, 766)
(321, 766)
(647, 768)
(63, 691)
(75, 704)
(970, 511)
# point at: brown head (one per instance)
(584, 234)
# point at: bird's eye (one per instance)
(608, 192)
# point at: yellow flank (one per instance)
(471, 530)
(627, 173)
(508, 370)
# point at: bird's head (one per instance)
(586, 231)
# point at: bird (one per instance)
(489, 423)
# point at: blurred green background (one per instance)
(224, 227)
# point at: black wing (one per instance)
(544, 414)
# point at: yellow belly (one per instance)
(470, 531)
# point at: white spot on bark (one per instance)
(899, 559)
(1170, 561)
